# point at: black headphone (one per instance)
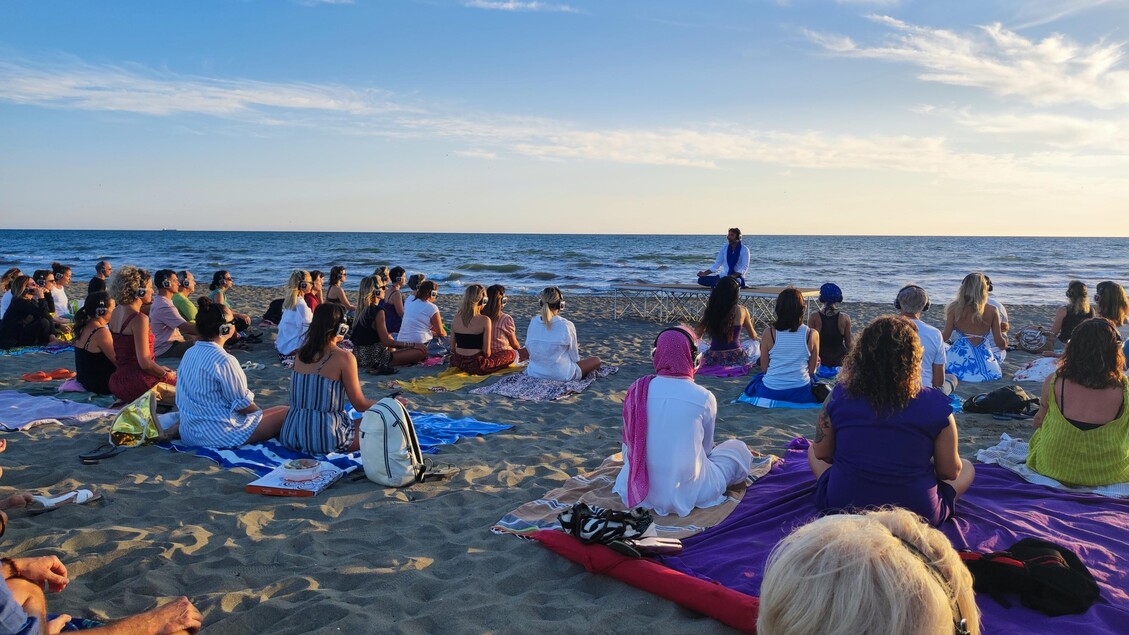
(989, 280)
(898, 302)
(166, 281)
(695, 356)
(101, 310)
(142, 291)
(41, 281)
(182, 278)
(303, 285)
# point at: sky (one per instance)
(904, 117)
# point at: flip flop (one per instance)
(37, 376)
(104, 451)
(62, 373)
(249, 365)
(42, 504)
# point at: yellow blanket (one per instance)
(450, 380)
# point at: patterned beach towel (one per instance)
(450, 380)
(1011, 454)
(431, 430)
(52, 349)
(20, 411)
(596, 489)
(522, 386)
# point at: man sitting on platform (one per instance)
(732, 261)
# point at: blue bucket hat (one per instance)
(830, 292)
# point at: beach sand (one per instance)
(360, 558)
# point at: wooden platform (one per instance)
(686, 302)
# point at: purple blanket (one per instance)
(1000, 509)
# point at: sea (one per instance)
(1032, 271)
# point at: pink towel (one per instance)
(671, 358)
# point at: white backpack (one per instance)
(389, 448)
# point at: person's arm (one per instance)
(382, 335)
(998, 332)
(813, 351)
(946, 459)
(812, 321)
(766, 347)
(437, 324)
(938, 376)
(573, 344)
(351, 380)
(847, 337)
(950, 324)
(1044, 401)
(747, 322)
(718, 264)
(233, 386)
(339, 296)
(709, 421)
(823, 445)
(140, 328)
(43, 569)
(487, 335)
(1060, 315)
(105, 343)
(511, 332)
(177, 616)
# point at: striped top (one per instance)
(1092, 458)
(210, 388)
(316, 422)
(788, 360)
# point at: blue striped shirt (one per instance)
(210, 388)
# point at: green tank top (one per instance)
(1091, 458)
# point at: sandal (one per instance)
(436, 471)
(62, 373)
(104, 451)
(42, 504)
(36, 376)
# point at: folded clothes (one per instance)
(19, 411)
(522, 386)
(1011, 454)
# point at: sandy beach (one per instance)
(360, 558)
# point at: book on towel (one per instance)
(276, 482)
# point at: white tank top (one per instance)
(788, 360)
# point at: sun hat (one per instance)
(830, 292)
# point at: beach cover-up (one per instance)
(1011, 454)
(999, 510)
(20, 411)
(973, 363)
(432, 431)
(450, 380)
(522, 386)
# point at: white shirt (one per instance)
(680, 472)
(416, 326)
(553, 352)
(5, 303)
(721, 265)
(62, 304)
(935, 348)
(292, 329)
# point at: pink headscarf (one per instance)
(672, 358)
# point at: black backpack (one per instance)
(1048, 578)
(274, 312)
(1011, 400)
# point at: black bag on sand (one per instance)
(274, 312)
(1011, 400)
(1048, 578)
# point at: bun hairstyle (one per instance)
(59, 269)
(96, 305)
(335, 274)
(323, 330)
(493, 308)
(209, 317)
(218, 279)
(128, 283)
(551, 299)
(1079, 296)
(369, 294)
(294, 288)
(426, 288)
(474, 298)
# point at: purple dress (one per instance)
(887, 459)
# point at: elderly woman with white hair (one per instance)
(884, 571)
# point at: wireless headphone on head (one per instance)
(142, 291)
(989, 281)
(226, 328)
(182, 278)
(695, 356)
(559, 304)
(101, 310)
(41, 281)
(342, 329)
(303, 285)
(898, 301)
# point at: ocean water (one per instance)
(868, 268)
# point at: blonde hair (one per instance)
(884, 571)
(127, 281)
(549, 296)
(1078, 296)
(971, 298)
(470, 305)
(369, 293)
(297, 277)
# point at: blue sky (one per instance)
(782, 117)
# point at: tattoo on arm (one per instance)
(823, 426)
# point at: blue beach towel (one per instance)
(764, 402)
(432, 430)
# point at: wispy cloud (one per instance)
(1054, 130)
(1050, 71)
(517, 5)
(717, 145)
(1032, 13)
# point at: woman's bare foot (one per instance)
(16, 500)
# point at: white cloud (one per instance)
(1050, 71)
(1059, 131)
(517, 5)
(1033, 13)
(477, 154)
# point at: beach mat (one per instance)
(765, 402)
(432, 431)
(51, 349)
(1000, 509)
(595, 488)
(522, 386)
(449, 380)
(20, 411)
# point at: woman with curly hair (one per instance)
(1082, 427)
(723, 320)
(1076, 311)
(137, 369)
(881, 438)
(973, 325)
